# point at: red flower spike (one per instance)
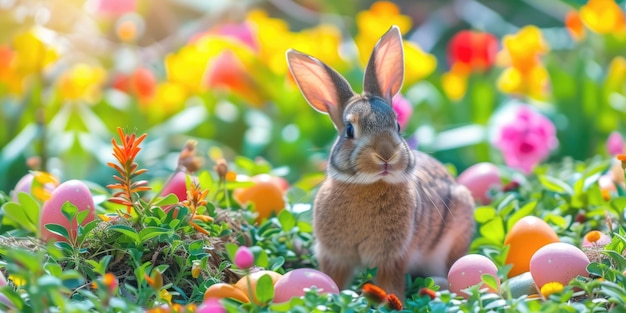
(127, 169)
(393, 302)
(374, 293)
(427, 292)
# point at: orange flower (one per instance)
(393, 302)
(127, 169)
(374, 293)
(603, 16)
(621, 157)
(574, 25)
(593, 236)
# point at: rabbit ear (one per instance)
(325, 89)
(385, 70)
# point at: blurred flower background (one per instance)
(71, 71)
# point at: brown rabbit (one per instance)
(382, 204)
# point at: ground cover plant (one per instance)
(158, 156)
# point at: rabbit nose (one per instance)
(385, 150)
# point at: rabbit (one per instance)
(382, 205)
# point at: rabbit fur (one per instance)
(382, 204)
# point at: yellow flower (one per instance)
(418, 64)
(186, 68)
(267, 30)
(17, 281)
(533, 82)
(454, 84)
(42, 183)
(371, 24)
(32, 54)
(170, 97)
(616, 73)
(82, 82)
(550, 288)
(165, 295)
(603, 16)
(525, 47)
(323, 42)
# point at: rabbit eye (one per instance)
(350, 131)
(399, 130)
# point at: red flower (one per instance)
(141, 83)
(475, 51)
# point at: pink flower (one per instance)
(403, 109)
(525, 138)
(116, 7)
(615, 143)
(244, 258)
(211, 305)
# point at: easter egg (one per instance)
(526, 237)
(467, 272)
(520, 285)
(223, 290)
(295, 283)
(177, 184)
(595, 238)
(558, 262)
(77, 193)
(266, 195)
(480, 179)
(25, 184)
(252, 280)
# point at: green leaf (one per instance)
(484, 214)
(231, 250)
(490, 281)
(287, 220)
(260, 257)
(523, 211)
(127, 231)
(31, 206)
(170, 199)
(555, 185)
(557, 220)
(81, 216)
(277, 263)
(151, 232)
(58, 229)
(265, 289)
(18, 214)
(69, 210)
(493, 230)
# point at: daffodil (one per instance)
(603, 16)
(525, 47)
(418, 64)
